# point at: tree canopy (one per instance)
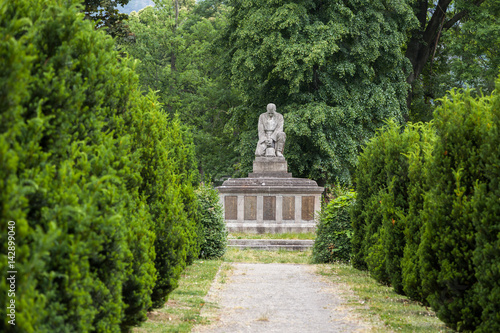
(455, 45)
(335, 69)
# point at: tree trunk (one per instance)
(426, 38)
(172, 56)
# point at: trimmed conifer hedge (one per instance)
(99, 182)
(455, 170)
(428, 221)
(379, 222)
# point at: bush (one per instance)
(438, 185)
(89, 168)
(70, 174)
(448, 243)
(486, 218)
(333, 236)
(381, 177)
(417, 186)
(212, 220)
(380, 217)
(168, 177)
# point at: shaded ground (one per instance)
(278, 298)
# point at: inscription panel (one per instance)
(288, 208)
(250, 208)
(231, 207)
(270, 208)
(308, 208)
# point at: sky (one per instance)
(135, 5)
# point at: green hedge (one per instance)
(333, 236)
(78, 147)
(448, 243)
(212, 220)
(486, 218)
(428, 221)
(379, 222)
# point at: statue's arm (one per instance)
(279, 128)
(262, 133)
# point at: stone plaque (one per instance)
(270, 208)
(250, 207)
(308, 208)
(288, 208)
(231, 207)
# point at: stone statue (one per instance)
(271, 136)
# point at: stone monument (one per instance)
(270, 200)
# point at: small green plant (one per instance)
(214, 229)
(333, 242)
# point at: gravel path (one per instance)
(279, 298)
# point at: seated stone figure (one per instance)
(271, 136)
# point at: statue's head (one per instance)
(271, 108)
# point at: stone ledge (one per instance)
(277, 174)
(267, 181)
(261, 228)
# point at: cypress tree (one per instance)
(448, 240)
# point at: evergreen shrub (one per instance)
(380, 214)
(70, 174)
(452, 223)
(212, 220)
(90, 171)
(169, 175)
(333, 236)
(486, 218)
(417, 186)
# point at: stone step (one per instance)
(272, 244)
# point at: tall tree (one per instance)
(454, 45)
(335, 69)
(107, 16)
(178, 60)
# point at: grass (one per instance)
(182, 311)
(287, 235)
(267, 257)
(376, 302)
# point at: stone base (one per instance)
(269, 164)
(270, 200)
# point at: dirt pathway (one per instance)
(279, 298)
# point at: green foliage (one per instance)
(178, 61)
(169, 176)
(212, 222)
(380, 217)
(90, 171)
(333, 240)
(416, 187)
(464, 54)
(439, 204)
(105, 15)
(449, 237)
(335, 70)
(70, 175)
(486, 218)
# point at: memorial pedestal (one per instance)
(270, 200)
